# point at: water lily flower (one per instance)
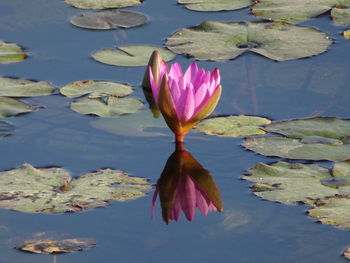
(184, 186)
(184, 99)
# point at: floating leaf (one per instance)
(10, 87)
(11, 107)
(6, 129)
(214, 5)
(50, 246)
(10, 52)
(233, 126)
(131, 55)
(346, 34)
(102, 4)
(139, 124)
(220, 41)
(95, 89)
(295, 11)
(52, 190)
(341, 16)
(296, 149)
(114, 106)
(109, 19)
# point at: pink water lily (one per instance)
(184, 99)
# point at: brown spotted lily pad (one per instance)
(52, 190)
(10, 53)
(214, 5)
(102, 4)
(213, 40)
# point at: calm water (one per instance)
(249, 229)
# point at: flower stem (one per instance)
(179, 138)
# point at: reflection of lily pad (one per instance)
(109, 19)
(10, 52)
(114, 106)
(11, 107)
(52, 190)
(95, 89)
(341, 16)
(102, 4)
(131, 55)
(219, 41)
(233, 126)
(10, 87)
(50, 246)
(297, 10)
(6, 129)
(214, 5)
(139, 124)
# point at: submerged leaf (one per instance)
(214, 5)
(102, 4)
(109, 19)
(95, 89)
(220, 41)
(131, 55)
(52, 190)
(10, 87)
(114, 106)
(6, 129)
(11, 107)
(233, 126)
(10, 52)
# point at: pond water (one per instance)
(249, 229)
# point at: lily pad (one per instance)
(213, 40)
(233, 126)
(6, 129)
(129, 56)
(341, 16)
(139, 124)
(109, 19)
(10, 52)
(214, 5)
(50, 246)
(95, 89)
(52, 190)
(10, 87)
(114, 106)
(346, 34)
(102, 4)
(11, 107)
(294, 11)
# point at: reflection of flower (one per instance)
(185, 185)
(183, 99)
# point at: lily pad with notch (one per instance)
(95, 89)
(219, 41)
(109, 19)
(214, 5)
(113, 106)
(10, 53)
(12, 87)
(102, 4)
(233, 126)
(12, 107)
(52, 190)
(131, 56)
(294, 11)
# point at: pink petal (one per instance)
(154, 201)
(200, 94)
(188, 197)
(202, 203)
(175, 71)
(190, 73)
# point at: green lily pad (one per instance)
(102, 4)
(52, 190)
(296, 149)
(6, 129)
(95, 89)
(294, 11)
(10, 52)
(214, 5)
(233, 126)
(109, 19)
(139, 124)
(220, 41)
(11, 107)
(130, 56)
(341, 16)
(114, 106)
(10, 87)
